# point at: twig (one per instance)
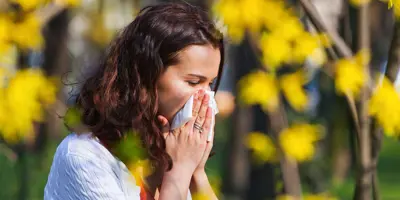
(315, 19)
(392, 69)
(376, 143)
(353, 110)
(364, 179)
(345, 51)
(290, 171)
(278, 121)
(48, 12)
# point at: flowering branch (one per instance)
(342, 48)
(392, 69)
(315, 19)
(364, 180)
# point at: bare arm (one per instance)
(175, 184)
(200, 184)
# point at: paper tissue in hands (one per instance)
(185, 113)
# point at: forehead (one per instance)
(201, 59)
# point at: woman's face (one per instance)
(196, 69)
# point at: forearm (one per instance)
(200, 185)
(175, 184)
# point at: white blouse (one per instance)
(84, 169)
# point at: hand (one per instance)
(186, 145)
(201, 111)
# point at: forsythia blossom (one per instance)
(284, 41)
(297, 141)
(350, 74)
(22, 101)
(292, 87)
(262, 147)
(384, 105)
(259, 88)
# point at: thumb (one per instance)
(165, 127)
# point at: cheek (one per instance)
(174, 98)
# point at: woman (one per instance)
(167, 54)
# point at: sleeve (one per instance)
(74, 177)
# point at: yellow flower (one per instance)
(140, 169)
(396, 9)
(27, 34)
(298, 141)
(305, 44)
(201, 196)
(285, 197)
(215, 185)
(384, 105)
(259, 88)
(5, 26)
(29, 4)
(253, 13)
(276, 14)
(289, 29)
(318, 57)
(23, 101)
(324, 39)
(359, 2)
(350, 75)
(71, 3)
(275, 50)
(262, 146)
(318, 197)
(229, 11)
(292, 87)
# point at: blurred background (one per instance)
(48, 47)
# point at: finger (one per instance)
(208, 149)
(207, 123)
(203, 110)
(210, 136)
(187, 129)
(197, 102)
(178, 132)
(164, 125)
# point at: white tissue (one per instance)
(185, 113)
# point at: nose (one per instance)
(205, 88)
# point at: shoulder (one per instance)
(82, 145)
(82, 167)
(79, 155)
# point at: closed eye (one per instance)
(193, 83)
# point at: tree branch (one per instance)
(315, 19)
(343, 49)
(392, 70)
(364, 179)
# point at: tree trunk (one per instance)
(56, 63)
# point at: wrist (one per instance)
(199, 181)
(179, 172)
(199, 174)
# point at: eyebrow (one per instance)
(201, 77)
(198, 76)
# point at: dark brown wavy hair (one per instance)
(122, 95)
